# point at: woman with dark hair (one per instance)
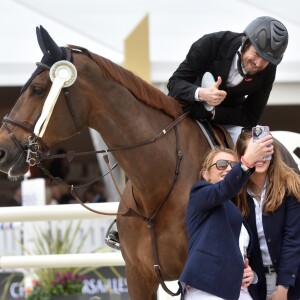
(270, 203)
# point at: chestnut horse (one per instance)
(126, 111)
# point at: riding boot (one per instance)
(112, 237)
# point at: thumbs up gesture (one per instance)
(211, 94)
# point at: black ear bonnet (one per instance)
(52, 53)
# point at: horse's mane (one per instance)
(138, 87)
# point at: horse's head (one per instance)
(19, 130)
(104, 96)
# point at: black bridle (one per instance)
(36, 150)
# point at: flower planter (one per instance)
(72, 297)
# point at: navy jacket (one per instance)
(215, 263)
(282, 232)
(214, 53)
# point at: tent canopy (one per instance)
(101, 26)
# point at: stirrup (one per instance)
(112, 237)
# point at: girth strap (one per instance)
(150, 220)
(156, 263)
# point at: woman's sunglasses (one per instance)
(222, 164)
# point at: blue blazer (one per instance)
(282, 232)
(215, 263)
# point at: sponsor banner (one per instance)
(16, 288)
(111, 286)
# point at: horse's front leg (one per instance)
(142, 285)
(136, 249)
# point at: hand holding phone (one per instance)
(259, 132)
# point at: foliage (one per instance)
(8, 282)
(58, 281)
(63, 284)
(39, 293)
(68, 283)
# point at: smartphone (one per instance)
(259, 132)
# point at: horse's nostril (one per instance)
(2, 154)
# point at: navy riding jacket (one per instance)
(282, 232)
(215, 263)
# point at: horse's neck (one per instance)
(122, 120)
(125, 121)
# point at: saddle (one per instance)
(216, 135)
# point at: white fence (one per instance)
(94, 223)
(12, 224)
(11, 231)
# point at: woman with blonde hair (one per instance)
(270, 203)
(217, 266)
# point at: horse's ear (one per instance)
(39, 38)
(47, 45)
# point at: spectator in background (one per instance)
(15, 200)
(95, 193)
(59, 167)
(18, 195)
(60, 194)
(7, 201)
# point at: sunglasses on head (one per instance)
(222, 164)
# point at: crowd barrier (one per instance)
(56, 212)
(110, 259)
(12, 218)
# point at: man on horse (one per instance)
(244, 68)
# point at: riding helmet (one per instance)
(269, 38)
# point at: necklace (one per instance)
(256, 190)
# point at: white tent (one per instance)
(101, 26)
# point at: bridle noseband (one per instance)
(31, 151)
(36, 150)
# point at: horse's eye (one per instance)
(37, 90)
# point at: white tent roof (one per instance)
(101, 26)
